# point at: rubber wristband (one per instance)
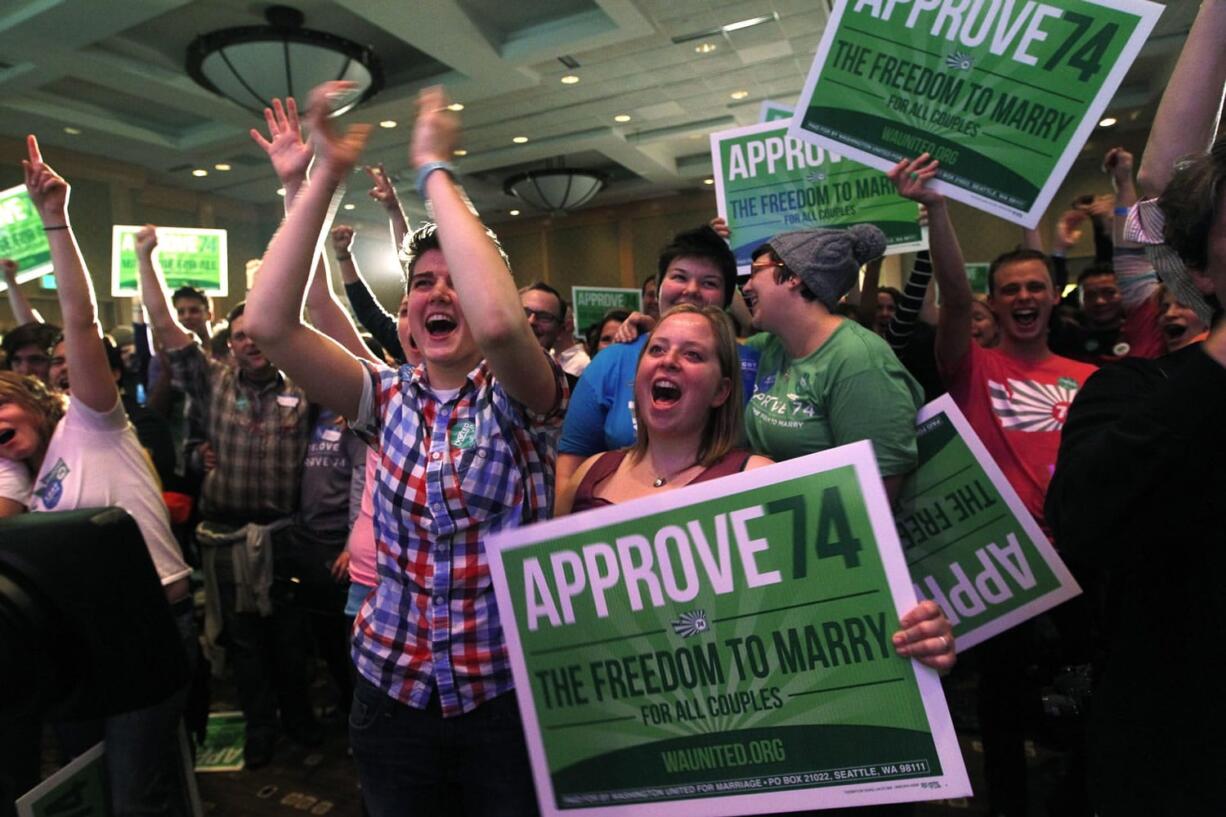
(429, 167)
(55, 227)
(1121, 211)
(343, 256)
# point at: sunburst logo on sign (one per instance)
(959, 61)
(691, 623)
(1024, 405)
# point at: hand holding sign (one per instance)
(9, 267)
(47, 189)
(927, 636)
(910, 176)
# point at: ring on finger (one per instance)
(913, 175)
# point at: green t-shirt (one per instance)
(851, 388)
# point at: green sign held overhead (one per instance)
(591, 303)
(724, 648)
(766, 182)
(1004, 94)
(21, 235)
(188, 257)
(969, 542)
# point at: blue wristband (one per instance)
(1121, 211)
(425, 170)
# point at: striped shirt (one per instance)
(451, 472)
(259, 432)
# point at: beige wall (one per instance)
(105, 193)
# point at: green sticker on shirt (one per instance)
(1068, 383)
(464, 434)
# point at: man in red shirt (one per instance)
(1016, 396)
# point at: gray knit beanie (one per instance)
(828, 261)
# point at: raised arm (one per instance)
(954, 325)
(92, 383)
(22, 311)
(481, 279)
(366, 309)
(167, 331)
(384, 193)
(330, 375)
(1118, 165)
(328, 316)
(1191, 105)
(866, 314)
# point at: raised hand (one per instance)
(289, 154)
(436, 133)
(342, 239)
(910, 177)
(1068, 230)
(9, 268)
(146, 241)
(382, 192)
(1118, 163)
(337, 154)
(720, 226)
(47, 189)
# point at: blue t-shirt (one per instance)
(601, 413)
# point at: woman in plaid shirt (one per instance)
(464, 452)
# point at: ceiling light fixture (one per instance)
(199, 172)
(281, 192)
(1107, 121)
(459, 152)
(556, 190)
(739, 94)
(456, 106)
(513, 212)
(622, 117)
(569, 79)
(71, 131)
(750, 23)
(349, 206)
(388, 123)
(708, 181)
(519, 140)
(739, 25)
(222, 166)
(705, 48)
(252, 65)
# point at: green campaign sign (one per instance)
(767, 182)
(188, 256)
(225, 737)
(78, 789)
(21, 235)
(1004, 94)
(724, 648)
(590, 303)
(977, 274)
(969, 542)
(774, 111)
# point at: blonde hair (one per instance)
(724, 422)
(30, 394)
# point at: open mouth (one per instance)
(7, 434)
(1025, 318)
(665, 393)
(439, 325)
(1174, 331)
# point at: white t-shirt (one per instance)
(15, 481)
(95, 460)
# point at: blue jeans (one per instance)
(143, 762)
(416, 762)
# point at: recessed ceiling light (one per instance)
(622, 117)
(739, 94)
(519, 140)
(708, 181)
(1107, 121)
(281, 192)
(71, 131)
(222, 166)
(456, 106)
(349, 206)
(569, 79)
(514, 212)
(460, 152)
(705, 48)
(200, 171)
(388, 123)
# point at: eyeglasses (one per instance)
(541, 315)
(758, 266)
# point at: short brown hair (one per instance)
(30, 393)
(723, 427)
(1190, 203)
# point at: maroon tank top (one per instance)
(731, 463)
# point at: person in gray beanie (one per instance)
(822, 380)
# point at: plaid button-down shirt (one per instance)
(450, 474)
(259, 432)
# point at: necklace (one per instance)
(662, 480)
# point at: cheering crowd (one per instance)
(373, 465)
